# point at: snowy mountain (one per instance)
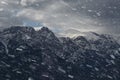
(27, 54)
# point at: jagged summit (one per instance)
(45, 29)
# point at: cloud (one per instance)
(82, 15)
(59, 14)
(8, 9)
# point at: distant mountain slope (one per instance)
(27, 54)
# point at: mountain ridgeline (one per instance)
(26, 54)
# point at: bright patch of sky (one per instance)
(32, 23)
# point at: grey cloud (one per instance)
(59, 14)
(84, 15)
(7, 14)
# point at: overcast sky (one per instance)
(84, 15)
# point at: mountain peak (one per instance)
(45, 30)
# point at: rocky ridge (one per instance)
(26, 54)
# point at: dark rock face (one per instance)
(26, 54)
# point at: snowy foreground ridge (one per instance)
(27, 54)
